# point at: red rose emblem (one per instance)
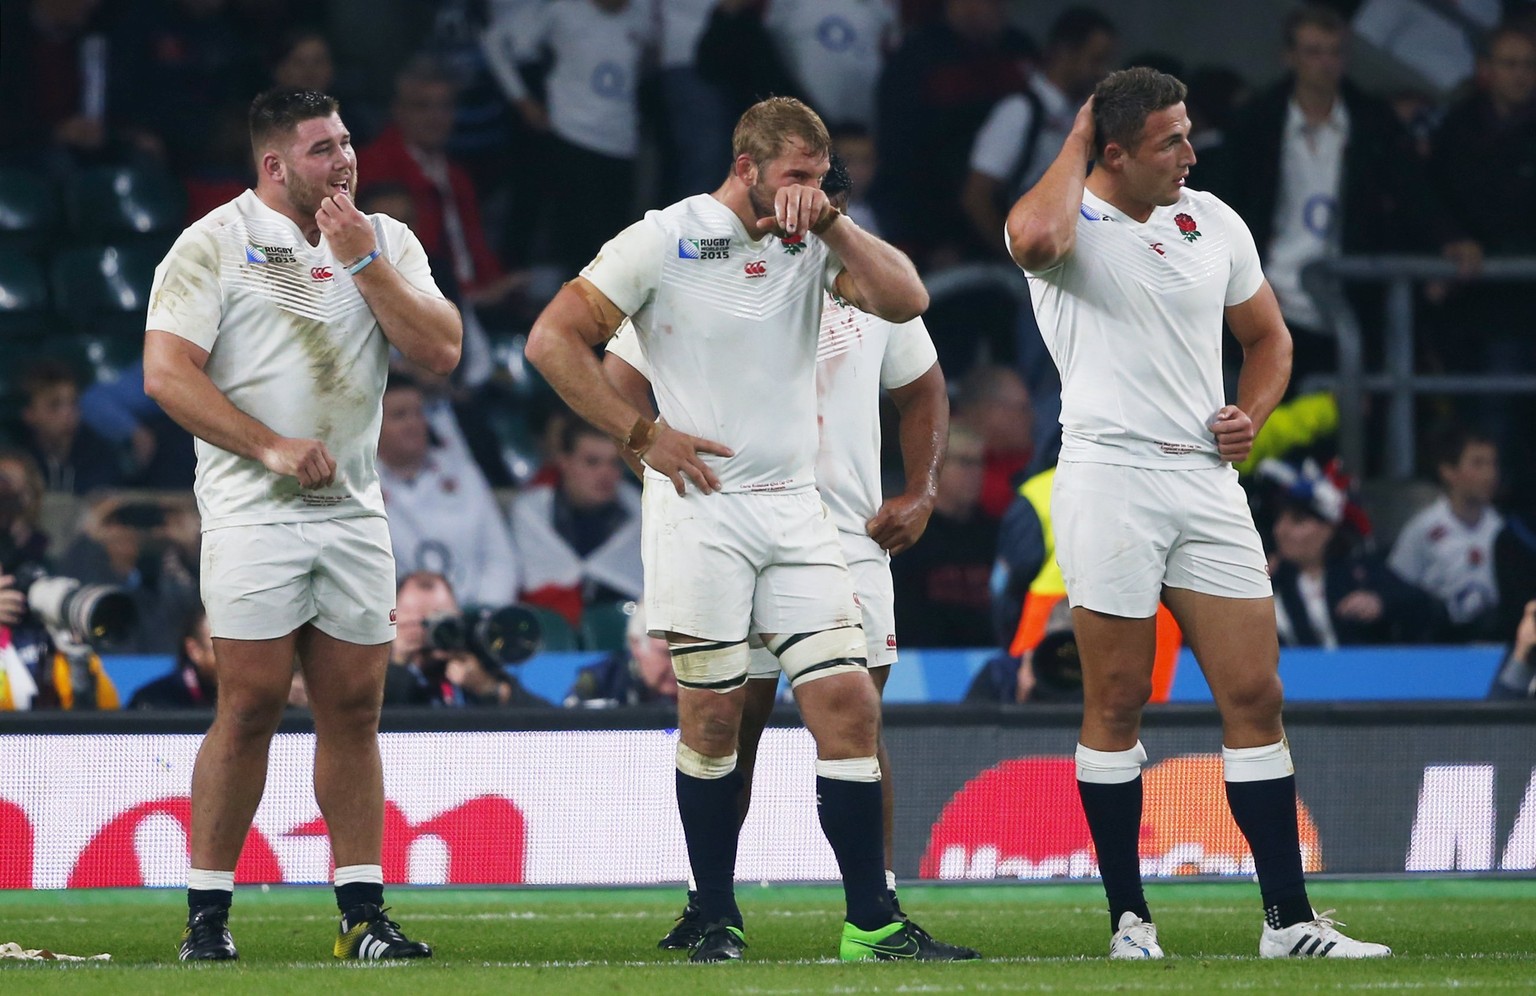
(1185, 223)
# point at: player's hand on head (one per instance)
(1234, 434)
(676, 455)
(899, 522)
(306, 459)
(346, 229)
(1082, 125)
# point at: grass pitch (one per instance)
(1451, 934)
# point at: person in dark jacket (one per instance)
(194, 682)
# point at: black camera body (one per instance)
(101, 616)
(498, 637)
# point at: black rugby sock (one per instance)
(707, 807)
(1265, 812)
(1114, 820)
(851, 818)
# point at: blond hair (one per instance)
(768, 125)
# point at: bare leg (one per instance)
(231, 769)
(887, 784)
(1117, 655)
(758, 706)
(1234, 641)
(346, 690)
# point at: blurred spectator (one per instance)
(1327, 597)
(698, 116)
(1516, 678)
(443, 517)
(995, 404)
(18, 687)
(855, 144)
(578, 541)
(1047, 672)
(1447, 548)
(834, 49)
(186, 61)
(1024, 132)
(597, 50)
(736, 54)
(1318, 168)
(193, 682)
(1215, 94)
(421, 674)
(641, 674)
(1514, 563)
(22, 540)
(458, 422)
(934, 93)
(160, 451)
(73, 458)
(148, 549)
(942, 599)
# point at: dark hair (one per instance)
(189, 627)
(282, 47)
(1122, 101)
(837, 181)
(1076, 25)
(399, 380)
(282, 109)
(1451, 443)
(1312, 15)
(572, 432)
(45, 374)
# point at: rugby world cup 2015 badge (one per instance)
(704, 248)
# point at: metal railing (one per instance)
(1324, 280)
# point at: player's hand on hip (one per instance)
(306, 459)
(797, 209)
(1234, 434)
(899, 522)
(676, 455)
(346, 229)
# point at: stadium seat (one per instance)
(29, 210)
(605, 626)
(113, 203)
(104, 290)
(555, 632)
(23, 297)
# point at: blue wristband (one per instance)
(357, 267)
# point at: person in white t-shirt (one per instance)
(268, 336)
(725, 292)
(858, 355)
(835, 49)
(1131, 275)
(1447, 548)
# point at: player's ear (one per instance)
(745, 169)
(271, 166)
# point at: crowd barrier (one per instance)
(585, 797)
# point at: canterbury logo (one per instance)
(320, 272)
(756, 268)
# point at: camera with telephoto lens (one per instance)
(498, 637)
(97, 615)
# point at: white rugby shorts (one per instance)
(720, 565)
(1122, 533)
(264, 581)
(871, 570)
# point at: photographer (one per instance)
(1047, 672)
(640, 674)
(423, 673)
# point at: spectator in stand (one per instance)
(597, 49)
(421, 674)
(697, 112)
(458, 423)
(1517, 675)
(1047, 672)
(1447, 548)
(578, 540)
(641, 674)
(855, 145)
(1326, 596)
(737, 55)
(941, 584)
(1484, 164)
(194, 681)
(22, 540)
(73, 458)
(160, 452)
(1025, 131)
(443, 517)
(995, 404)
(1318, 168)
(934, 93)
(834, 50)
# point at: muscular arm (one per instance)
(636, 390)
(425, 328)
(923, 406)
(1260, 330)
(1042, 226)
(877, 277)
(174, 377)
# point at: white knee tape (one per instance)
(1110, 767)
(1257, 764)
(810, 656)
(691, 762)
(850, 769)
(714, 667)
(761, 663)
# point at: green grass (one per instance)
(1448, 934)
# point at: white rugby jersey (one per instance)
(728, 326)
(1132, 316)
(857, 355)
(1451, 560)
(291, 343)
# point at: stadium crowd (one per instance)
(515, 136)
